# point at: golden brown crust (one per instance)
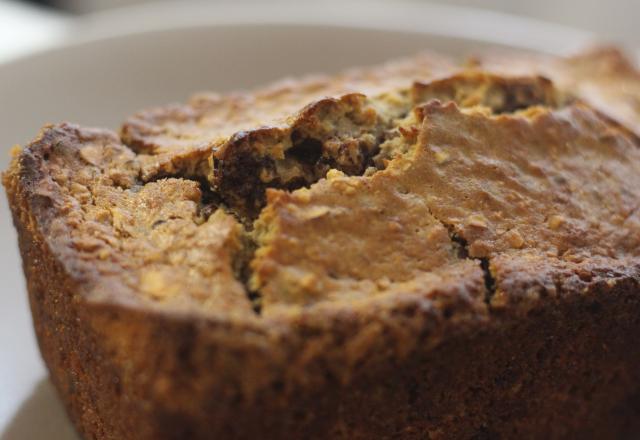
(140, 243)
(419, 242)
(561, 181)
(603, 77)
(331, 133)
(173, 139)
(499, 93)
(527, 279)
(316, 244)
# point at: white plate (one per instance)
(121, 62)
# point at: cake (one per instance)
(423, 249)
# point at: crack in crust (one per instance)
(347, 133)
(466, 165)
(154, 244)
(426, 260)
(338, 133)
(498, 182)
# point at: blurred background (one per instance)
(118, 56)
(29, 24)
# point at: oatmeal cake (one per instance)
(424, 249)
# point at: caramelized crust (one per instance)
(499, 93)
(141, 244)
(524, 280)
(498, 182)
(605, 78)
(346, 236)
(563, 182)
(331, 133)
(417, 250)
(178, 139)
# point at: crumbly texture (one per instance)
(417, 250)
(602, 77)
(179, 139)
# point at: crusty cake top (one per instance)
(178, 138)
(156, 241)
(603, 77)
(419, 179)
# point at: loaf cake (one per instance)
(427, 249)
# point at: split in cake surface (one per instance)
(418, 178)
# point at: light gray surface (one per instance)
(101, 81)
(40, 416)
(612, 19)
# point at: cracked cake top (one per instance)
(422, 180)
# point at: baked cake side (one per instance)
(419, 250)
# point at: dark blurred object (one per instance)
(83, 6)
(51, 3)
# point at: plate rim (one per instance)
(428, 19)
